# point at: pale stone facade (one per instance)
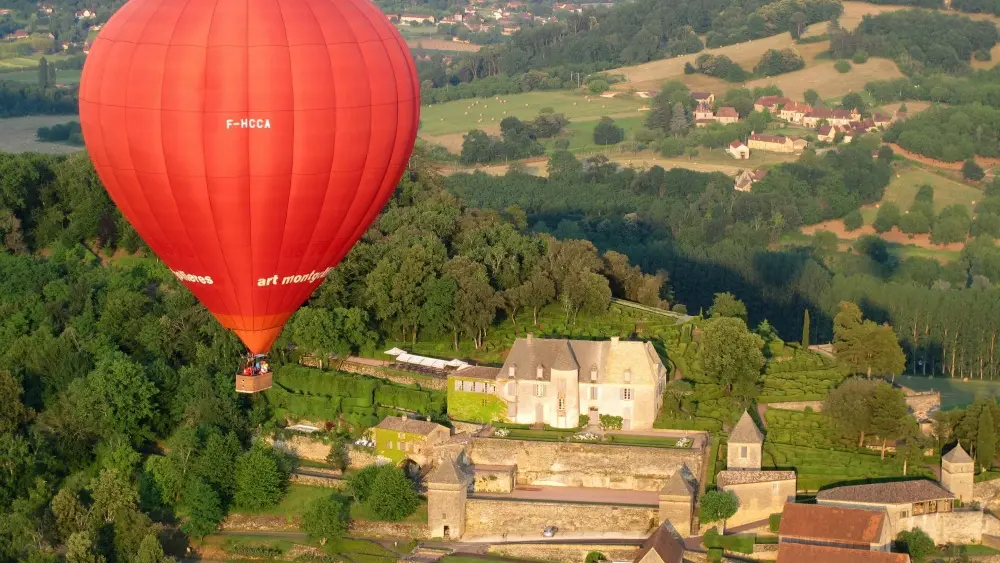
(447, 496)
(554, 381)
(957, 473)
(492, 517)
(738, 150)
(761, 493)
(677, 503)
(745, 444)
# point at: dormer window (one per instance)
(539, 371)
(511, 370)
(593, 374)
(627, 376)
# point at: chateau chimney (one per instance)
(614, 341)
(528, 338)
(403, 416)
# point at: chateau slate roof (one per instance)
(737, 477)
(746, 431)
(445, 474)
(898, 492)
(957, 455)
(677, 485)
(668, 546)
(408, 425)
(610, 359)
(821, 522)
(799, 553)
(478, 372)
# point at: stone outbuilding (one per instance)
(846, 528)
(661, 547)
(400, 437)
(676, 500)
(761, 493)
(447, 494)
(745, 444)
(801, 553)
(957, 473)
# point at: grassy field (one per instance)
(954, 392)
(461, 116)
(904, 186)
(581, 133)
(30, 76)
(249, 547)
(296, 501)
(17, 134)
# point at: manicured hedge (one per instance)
(362, 401)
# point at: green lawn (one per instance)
(268, 548)
(296, 501)
(461, 116)
(359, 512)
(475, 559)
(954, 392)
(31, 76)
(648, 441)
(904, 186)
(581, 134)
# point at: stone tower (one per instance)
(745, 444)
(957, 469)
(677, 503)
(447, 492)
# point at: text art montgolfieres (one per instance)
(250, 142)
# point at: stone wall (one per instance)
(489, 517)
(466, 427)
(987, 494)
(317, 481)
(585, 465)
(437, 383)
(923, 403)
(392, 530)
(960, 527)
(800, 406)
(564, 553)
(758, 501)
(314, 449)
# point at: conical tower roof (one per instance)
(746, 431)
(957, 455)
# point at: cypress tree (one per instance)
(43, 73)
(805, 329)
(986, 440)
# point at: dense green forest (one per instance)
(17, 99)
(950, 133)
(982, 86)
(917, 40)
(710, 238)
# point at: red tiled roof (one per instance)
(800, 553)
(759, 174)
(831, 523)
(736, 144)
(727, 111)
(825, 130)
(768, 138)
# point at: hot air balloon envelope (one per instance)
(250, 142)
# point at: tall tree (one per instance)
(731, 356)
(986, 441)
(727, 305)
(678, 120)
(805, 329)
(849, 407)
(43, 73)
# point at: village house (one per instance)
(801, 553)
(399, 438)
(761, 493)
(770, 103)
(832, 117)
(416, 18)
(794, 112)
(746, 178)
(703, 98)
(738, 150)
(848, 133)
(85, 15)
(777, 143)
(704, 122)
(834, 526)
(726, 115)
(826, 134)
(45, 9)
(19, 34)
(703, 111)
(5, 11)
(881, 121)
(554, 381)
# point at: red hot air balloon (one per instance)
(250, 142)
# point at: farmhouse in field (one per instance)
(826, 134)
(761, 493)
(738, 150)
(831, 116)
(794, 112)
(726, 115)
(771, 103)
(777, 143)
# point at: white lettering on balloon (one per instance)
(311, 277)
(191, 278)
(248, 123)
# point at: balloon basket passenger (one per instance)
(255, 376)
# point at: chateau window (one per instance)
(743, 452)
(458, 385)
(388, 445)
(593, 393)
(539, 390)
(627, 376)
(510, 371)
(562, 403)
(511, 389)
(774, 489)
(904, 514)
(539, 372)
(627, 394)
(593, 374)
(400, 436)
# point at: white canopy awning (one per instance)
(394, 352)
